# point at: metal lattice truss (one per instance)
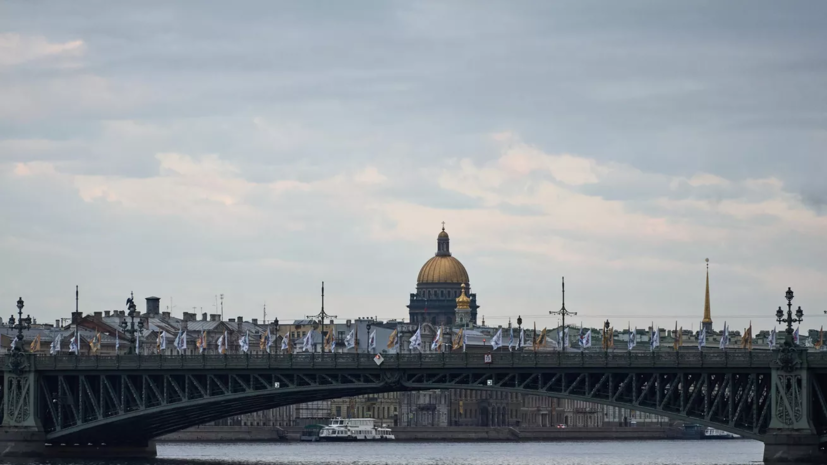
(737, 402)
(98, 407)
(104, 407)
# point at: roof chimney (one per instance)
(165, 315)
(215, 317)
(76, 317)
(255, 321)
(153, 305)
(98, 316)
(203, 317)
(240, 321)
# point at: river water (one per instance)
(723, 452)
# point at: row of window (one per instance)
(442, 294)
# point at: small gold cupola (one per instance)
(463, 302)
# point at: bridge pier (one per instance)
(783, 448)
(791, 436)
(22, 442)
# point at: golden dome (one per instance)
(442, 268)
(463, 302)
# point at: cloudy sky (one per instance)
(191, 149)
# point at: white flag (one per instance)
(244, 342)
(372, 340)
(632, 339)
(285, 341)
(74, 345)
(269, 341)
(796, 335)
(117, 341)
(220, 343)
(587, 339)
(510, 339)
(416, 340)
(724, 337)
(435, 342)
(702, 339)
(497, 340)
(162, 340)
(566, 339)
(522, 339)
(307, 344)
(182, 344)
(654, 339)
(772, 340)
(350, 340)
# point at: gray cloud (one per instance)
(313, 93)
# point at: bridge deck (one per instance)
(573, 359)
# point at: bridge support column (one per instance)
(791, 437)
(21, 434)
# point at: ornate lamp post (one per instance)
(519, 328)
(276, 327)
(563, 312)
(789, 341)
(606, 326)
(129, 328)
(22, 323)
(16, 361)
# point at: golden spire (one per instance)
(463, 302)
(707, 312)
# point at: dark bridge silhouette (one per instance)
(120, 403)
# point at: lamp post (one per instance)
(276, 328)
(22, 323)
(130, 328)
(519, 330)
(789, 341)
(606, 335)
(563, 312)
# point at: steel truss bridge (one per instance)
(126, 401)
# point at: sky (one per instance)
(191, 149)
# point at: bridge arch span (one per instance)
(107, 406)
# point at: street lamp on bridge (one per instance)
(129, 328)
(789, 341)
(563, 312)
(22, 323)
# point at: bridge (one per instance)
(116, 405)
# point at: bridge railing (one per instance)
(570, 359)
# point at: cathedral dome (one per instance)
(443, 268)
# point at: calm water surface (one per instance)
(725, 452)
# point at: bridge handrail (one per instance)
(571, 359)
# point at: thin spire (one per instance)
(77, 298)
(443, 226)
(707, 309)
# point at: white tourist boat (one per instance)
(355, 429)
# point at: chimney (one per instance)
(57, 323)
(165, 315)
(76, 317)
(215, 317)
(240, 321)
(191, 317)
(255, 321)
(98, 316)
(106, 313)
(153, 306)
(331, 322)
(203, 317)
(230, 320)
